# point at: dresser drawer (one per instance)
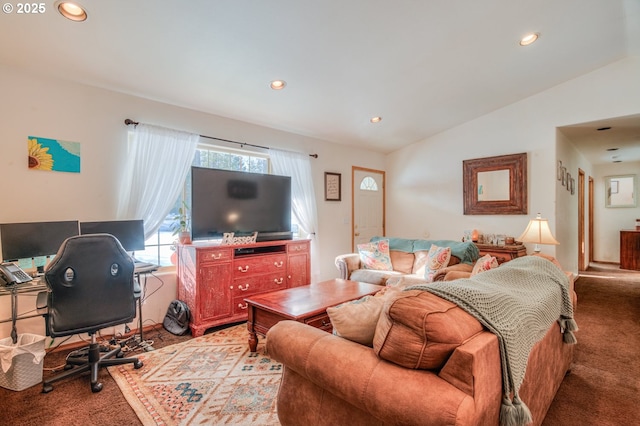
(320, 321)
(249, 285)
(259, 265)
(239, 306)
(302, 246)
(215, 255)
(501, 257)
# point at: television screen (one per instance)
(34, 239)
(130, 233)
(229, 201)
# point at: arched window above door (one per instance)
(368, 184)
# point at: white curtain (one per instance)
(157, 164)
(303, 198)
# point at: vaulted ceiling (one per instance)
(423, 66)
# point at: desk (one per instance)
(142, 269)
(38, 285)
(34, 286)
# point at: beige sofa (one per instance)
(431, 364)
(407, 258)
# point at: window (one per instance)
(368, 184)
(159, 249)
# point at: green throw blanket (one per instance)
(518, 302)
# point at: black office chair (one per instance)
(91, 287)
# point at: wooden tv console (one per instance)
(215, 279)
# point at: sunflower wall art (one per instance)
(53, 155)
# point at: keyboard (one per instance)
(144, 266)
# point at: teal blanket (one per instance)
(518, 302)
(467, 251)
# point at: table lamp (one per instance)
(538, 232)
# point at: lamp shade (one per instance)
(538, 232)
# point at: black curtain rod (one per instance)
(129, 121)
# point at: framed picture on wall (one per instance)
(332, 186)
(573, 186)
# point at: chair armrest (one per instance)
(460, 267)
(347, 263)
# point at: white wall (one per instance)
(424, 190)
(567, 204)
(31, 105)
(610, 221)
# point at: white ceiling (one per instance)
(424, 66)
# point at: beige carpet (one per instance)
(212, 380)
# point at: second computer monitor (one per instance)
(130, 233)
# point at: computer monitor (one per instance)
(33, 239)
(130, 233)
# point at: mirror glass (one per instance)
(620, 191)
(493, 186)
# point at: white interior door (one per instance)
(368, 204)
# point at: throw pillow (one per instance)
(357, 320)
(420, 261)
(437, 258)
(375, 255)
(485, 263)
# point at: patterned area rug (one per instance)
(209, 380)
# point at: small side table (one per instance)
(503, 253)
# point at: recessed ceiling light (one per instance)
(71, 10)
(376, 119)
(278, 84)
(529, 39)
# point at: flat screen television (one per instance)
(224, 201)
(33, 239)
(130, 233)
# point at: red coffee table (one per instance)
(307, 304)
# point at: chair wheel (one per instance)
(46, 388)
(68, 366)
(138, 364)
(96, 387)
(120, 354)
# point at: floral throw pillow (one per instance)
(375, 255)
(485, 263)
(437, 258)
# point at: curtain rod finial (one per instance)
(129, 121)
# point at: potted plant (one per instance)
(181, 225)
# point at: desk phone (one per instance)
(12, 274)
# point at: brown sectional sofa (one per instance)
(438, 367)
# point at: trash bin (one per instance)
(21, 362)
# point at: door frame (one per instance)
(581, 222)
(353, 203)
(591, 218)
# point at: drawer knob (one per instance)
(278, 281)
(241, 306)
(246, 287)
(278, 264)
(325, 323)
(245, 269)
(216, 256)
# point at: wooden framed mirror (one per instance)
(495, 185)
(620, 191)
